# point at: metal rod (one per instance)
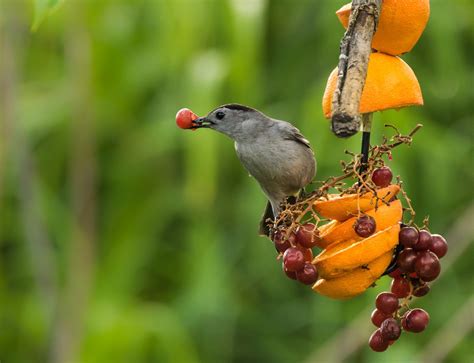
(366, 126)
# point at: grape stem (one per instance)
(406, 139)
(293, 215)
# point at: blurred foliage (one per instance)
(43, 8)
(125, 239)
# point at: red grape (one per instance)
(395, 273)
(427, 266)
(438, 245)
(415, 281)
(416, 320)
(390, 329)
(281, 245)
(377, 343)
(421, 290)
(305, 235)
(404, 321)
(386, 302)
(308, 275)
(290, 274)
(400, 287)
(406, 260)
(365, 225)
(307, 253)
(293, 259)
(378, 317)
(292, 238)
(408, 236)
(424, 241)
(281, 242)
(185, 118)
(382, 177)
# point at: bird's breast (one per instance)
(282, 165)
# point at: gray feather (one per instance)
(274, 152)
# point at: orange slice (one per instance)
(335, 231)
(401, 24)
(348, 255)
(343, 207)
(355, 282)
(390, 83)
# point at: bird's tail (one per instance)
(264, 229)
(269, 216)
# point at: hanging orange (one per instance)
(401, 24)
(350, 263)
(390, 83)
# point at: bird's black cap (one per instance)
(236, 106)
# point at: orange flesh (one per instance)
(390, 83)
(347, 206)
(335, 231)
(348, 255)
(355, 282)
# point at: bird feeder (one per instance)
(369, 76)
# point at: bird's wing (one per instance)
(292, 133)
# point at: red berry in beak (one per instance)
(185, 118)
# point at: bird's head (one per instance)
(233, 120)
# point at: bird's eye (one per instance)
(220, 115)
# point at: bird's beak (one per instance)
(201, 122)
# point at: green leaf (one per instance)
(44, 8)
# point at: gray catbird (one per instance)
(274, 152)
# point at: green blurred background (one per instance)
(126, 239)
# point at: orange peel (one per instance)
(390, 83)
(354, 282)
(335, 231)
(401, 24)
(348, 255)
(342, 207)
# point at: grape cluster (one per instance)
(417, 264)
(420, 256)
(297, 253)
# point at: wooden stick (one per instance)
(353, 61)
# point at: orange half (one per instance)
(401, 24)
(390, 83)
(348, 255)
(343, 207)
(354, 282)
(335, 231)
